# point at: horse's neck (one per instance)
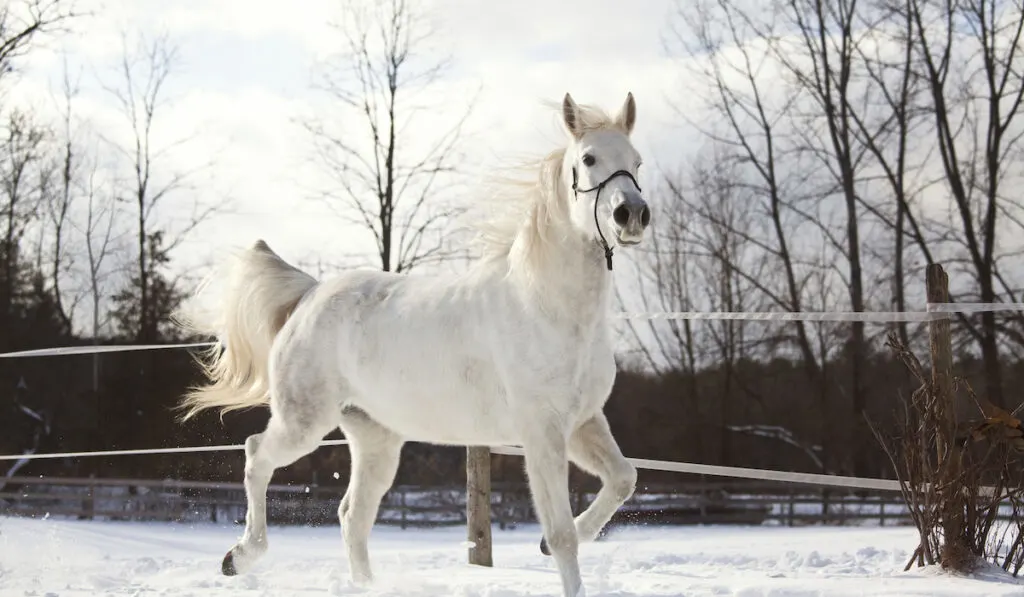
(555, 270)
(572, 283)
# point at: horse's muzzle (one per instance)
(632, 216)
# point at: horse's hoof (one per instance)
(544, 547)
(228, 565)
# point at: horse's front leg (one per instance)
(547, 467)
(593, 449)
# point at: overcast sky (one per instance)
(246, 72)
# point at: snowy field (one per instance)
(60, 558)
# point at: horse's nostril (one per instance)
(645, 216)
(621, 215)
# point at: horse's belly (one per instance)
(433, 372)
(440, 419)
(444, 403)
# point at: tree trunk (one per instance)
(142, 334)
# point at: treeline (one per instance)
(91, 209)
(92, 205)
(843, 147)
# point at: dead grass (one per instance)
(957, 484)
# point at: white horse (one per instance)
(517, 350)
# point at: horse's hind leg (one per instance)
(282, 443)
(375, 452)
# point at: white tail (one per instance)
(262, 293)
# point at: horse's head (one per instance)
(605, 199)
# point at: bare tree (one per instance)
(781, 76)
(845, 107)
(98, 231)
(22, 149)
(886, 128)
(23, 21)
(22, 24)
(140, 94)
(58, 204)
(755, 136)
(721, 237)
(83, 217)
(385, 178)
(975, 104)
(820, 57)
(827, 103)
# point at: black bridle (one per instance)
(597, 199)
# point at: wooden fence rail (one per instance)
(412, 506)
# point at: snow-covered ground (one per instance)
(62, 558)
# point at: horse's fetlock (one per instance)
(563, 540)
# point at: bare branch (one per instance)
(383, 181)
(24, 21)
(140, 92)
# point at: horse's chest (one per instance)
(598, 376)
(579, 366)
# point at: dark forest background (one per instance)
(752, 414)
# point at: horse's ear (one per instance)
(571, 116)
(627, 115)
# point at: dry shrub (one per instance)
(956, 479)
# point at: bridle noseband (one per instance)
(597, 199)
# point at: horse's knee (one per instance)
(622, 480)
(252, 443)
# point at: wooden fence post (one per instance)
(478, 505)
(948, 458)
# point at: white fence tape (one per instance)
(90, 349)
(934, 312)
(745, 473)
(973, 307)
(145, 451)
(641, 463)
(865, 316)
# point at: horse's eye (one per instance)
(588, 160)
